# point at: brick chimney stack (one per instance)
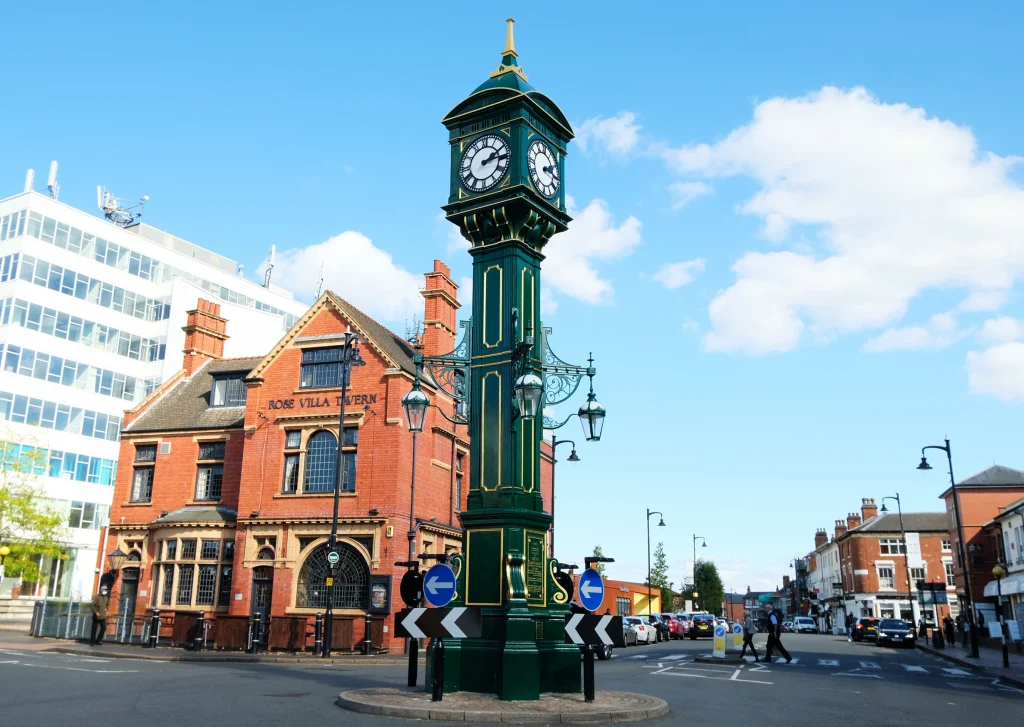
(205, 334)
(785, 581)
(868, 508)
(820, 538)
(852, 520)
(439, 309)
(840, 528)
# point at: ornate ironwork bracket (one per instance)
(561, 379)
(450, 373)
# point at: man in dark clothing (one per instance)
(774, 636)
(748, 637)
(99, 605)
(850, 623)
(950, 631)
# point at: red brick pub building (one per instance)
(224, 493)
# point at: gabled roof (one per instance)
(396, 351)
(913, 522)
(994, 476)
(186, 405)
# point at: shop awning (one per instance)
(1010, 586)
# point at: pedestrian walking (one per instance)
(950, 630)
(850, 623)
(981, 620)
(749, 629)
(99, 605)
(774, 636)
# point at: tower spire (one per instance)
(509, 64)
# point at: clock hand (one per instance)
(493, 159)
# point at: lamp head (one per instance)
(528, 391)
(884, 508)
(661, 524)
(573, 457)
(4, 551)
(924, 464)
(998, 571)
(117, 559)
(703, 543)
(415, 404)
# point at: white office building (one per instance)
(91, 318)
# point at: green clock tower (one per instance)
(508, 144)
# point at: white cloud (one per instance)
(618, 135)
(899, 202)
(592, 237)
(1002, 330)
(997, 372)
(683, 193)
(676, 275)
(548, 304)
(690, 325)
(984, 301)
(456, 243)
(940, 332)
(466, 295)
(355, 269)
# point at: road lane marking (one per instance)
(1003, 688)
(73, 668)
(911, 667)
(954, 672)
(869, 665)
(827, 662)
(855, 674)
(674, 657)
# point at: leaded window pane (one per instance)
(206, 585)
(208, 482)
(293, 439)
(211, 450)
(210, 550)
(291, 473)
(224, 597)
(321, 462)
(142, 484)
(188, 549)
(351, 579)
(145, 453)
(165, 597)
(185, 576)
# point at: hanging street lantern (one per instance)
(415, 404)
(528, 390)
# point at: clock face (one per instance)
(484, 163)
(543, 168)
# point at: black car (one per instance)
(866, 629)
(703, 625)
(895, 632)
(661, 626)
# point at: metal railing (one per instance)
(73, 620)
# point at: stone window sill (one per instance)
(295, 495)
(137, 504)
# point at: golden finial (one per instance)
(510, 43)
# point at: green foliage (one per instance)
(659, 576)
(708, 586)
(598, 553)
(30, 524)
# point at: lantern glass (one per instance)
(528, 390)
(415, 404)
(117, 559)
(592, 418)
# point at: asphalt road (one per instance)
(829, 682)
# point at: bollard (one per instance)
(254, 634)
(437, 692)
(367, 637)
(937, 639)
(154, 630)
(588, 673)
(318, 633)
(37, 619)
(197, 639)
(413, 648)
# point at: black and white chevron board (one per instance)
(432, 623)
(586, 630)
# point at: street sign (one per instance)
(591, 589)
(329, 582)
(333, 558)
(586, 630)
(432, 623)
(411, 588)
(439, 585)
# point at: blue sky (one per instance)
(798, 235)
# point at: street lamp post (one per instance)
(348, 357)
(703, 544)
(555, 441)
(959, 538)
(903, 545)
(661, 524)
(998, 572)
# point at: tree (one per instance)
(598, 553)
(659, 577)
(30, 523)
(708, 586)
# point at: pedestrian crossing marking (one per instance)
(953, 671)
(674, 657)
(827, 662)
(869, 665)
(911, 667)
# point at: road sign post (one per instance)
(411, 590)
(588, 674)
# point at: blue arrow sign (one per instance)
(591, 589)
(439, 585)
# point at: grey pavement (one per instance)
(830, 682)
(989, 660)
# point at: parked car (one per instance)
(661, 628)
(895, 632)
(805, 625)
(787, 626)
(866, 629)
(628, 634)
(645, 633)
(675, 626)
(703, 625)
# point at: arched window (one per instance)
(351, 579)
(321, 463)
(265, 554)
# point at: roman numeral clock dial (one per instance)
(543, 168)
(484, 163)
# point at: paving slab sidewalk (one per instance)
(989, 661)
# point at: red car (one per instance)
(675, 626)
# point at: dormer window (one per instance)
(228, 391)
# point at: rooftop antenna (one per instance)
(320, 285)
(30, 178)
(270, 266)
(52, 184)
(241, 270)
(120, 213)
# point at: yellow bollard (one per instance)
(737, 635)
(719, 652)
